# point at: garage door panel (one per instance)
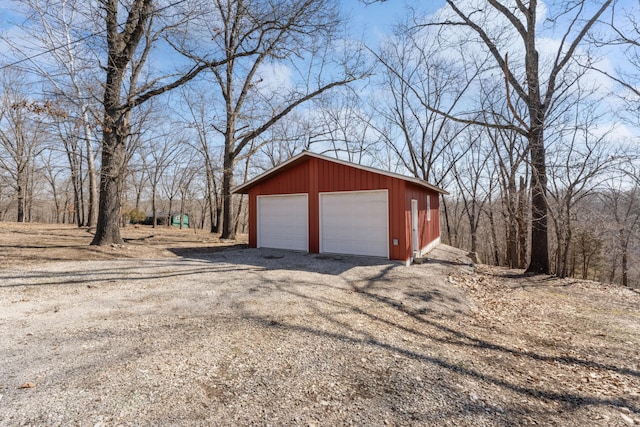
(283, 222)
(355, 223)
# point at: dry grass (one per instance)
(22, 244)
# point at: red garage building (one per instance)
(319, 204)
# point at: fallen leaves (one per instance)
(28, 385)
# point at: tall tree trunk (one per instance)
(170, 213)
(77, 197)
(212, 194)
(204, 211)
(228, 229)
(624, 261)
(565, 249)
(138, 196)
(494, 235)
(539, 262)
(238, 214)
(76, 180)
(29, 195)
(121, 47)
(111, 184)
(209, 202)
(473, 227)
(511, 216)
(625, 269)
(154, 209)
(218, 217)
(612, 271)
(446, 220)
(522, 224)
(21, 199)
(211, 210)
(574, 260)
(512, 245)
(181, 211)
(56, 203)
(114, 138)
(92, 212)
(81, 217)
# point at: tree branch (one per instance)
(245, 139)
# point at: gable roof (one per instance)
(244, 188)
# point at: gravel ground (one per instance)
(266, 337)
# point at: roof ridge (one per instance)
(305, 153)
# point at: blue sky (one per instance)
(370, 21)
(376, 19)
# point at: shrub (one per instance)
(136, 216)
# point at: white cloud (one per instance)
(273, 78)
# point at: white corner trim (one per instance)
(430, 246)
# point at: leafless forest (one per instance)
(528, 114)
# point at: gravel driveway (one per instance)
(261, 337)
(238, 336)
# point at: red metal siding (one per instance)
(435, 216)
(428, 230)
(291, 181)
(253, 219)
(314, 176)
(397, 222)
(314, 208)
(336, 177)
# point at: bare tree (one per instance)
(52, 174)
(69, 70)
(586, 253)
(199, 115)
(623, 207)
(156, 157)
(471, 178)
(177, 178)
(419, 81)
(170, 185)
(267, 36)
(578, 163)
(346, 128)
(129, 42)
(623, 23)
(65, 130)
(509, 160)
(500, 28)
(288, 137)
(21, 137)
(489, 210)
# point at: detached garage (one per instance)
(319, 204)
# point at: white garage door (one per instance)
(283, 222)
(354, 223)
